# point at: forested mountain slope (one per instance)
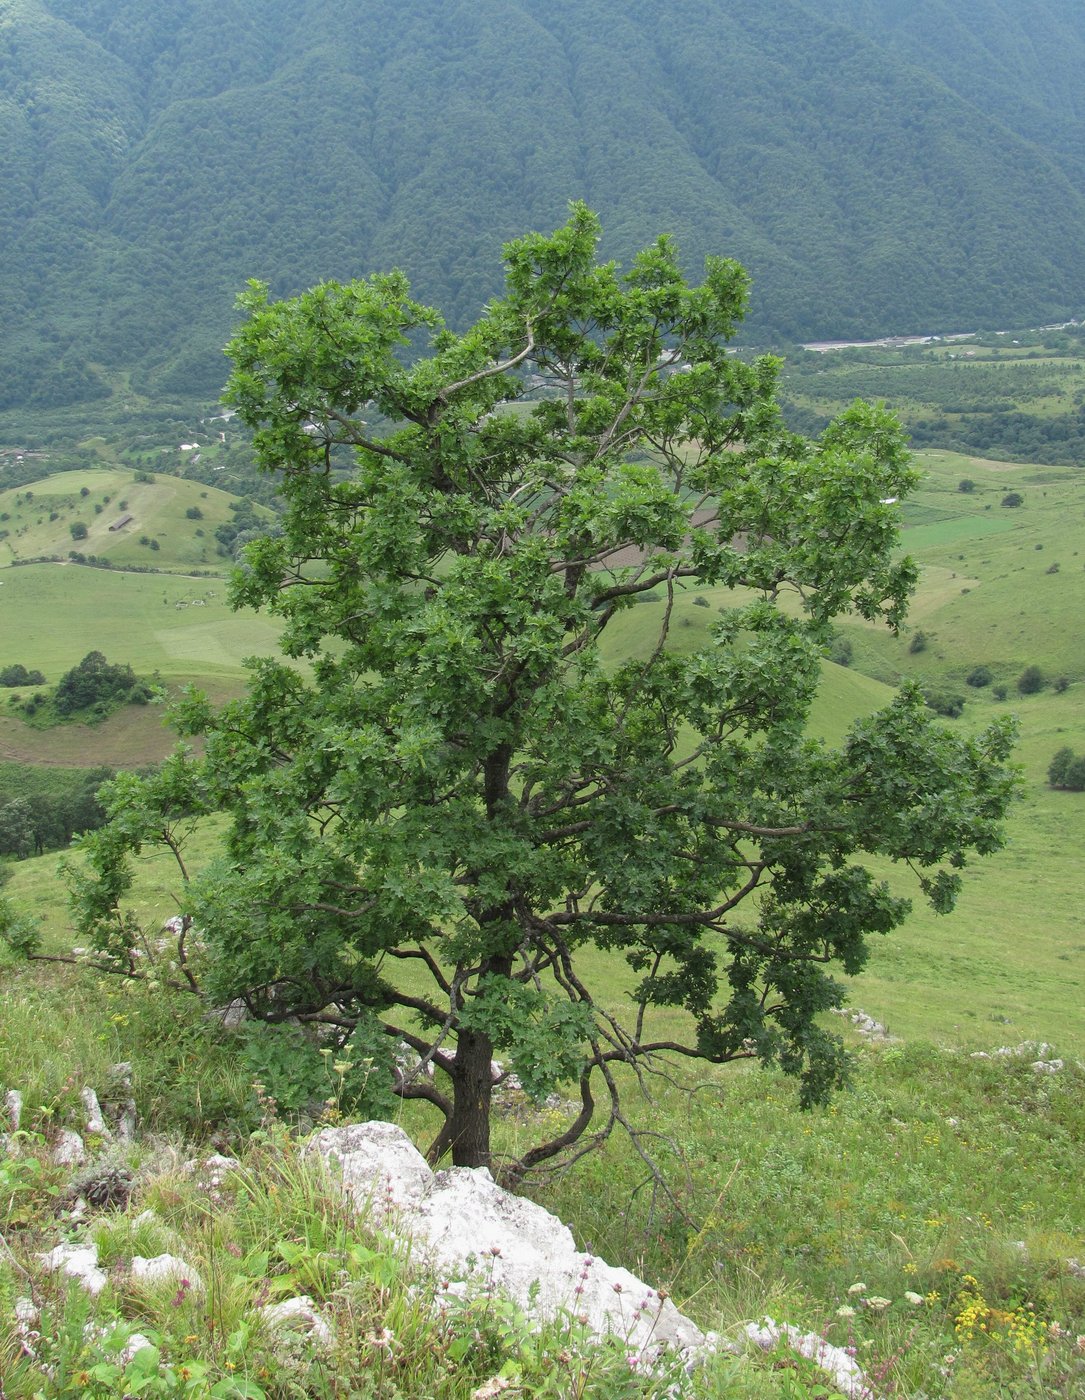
(877, 165)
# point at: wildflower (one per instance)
(914, 1298)
(876, 1304)
(845, 1311)
(857, 1288)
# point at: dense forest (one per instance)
(877, 167)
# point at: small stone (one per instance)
(96, 1123)
(78, 1261)
(13, 1102)
(136, 1342)
(70, 1150)
(299, 1313)
(164, 1268)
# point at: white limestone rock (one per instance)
(69, 1150)
(95, 1120)
(165, 1268)
(299, 1314)
(78, 1261)
(380, 1168)
(465, 1227)
(136, 1342)
(846, 1374)
(13, 1103)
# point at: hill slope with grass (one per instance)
(927, 1218)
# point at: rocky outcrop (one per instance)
(473, 1235)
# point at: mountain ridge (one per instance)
(870, 179)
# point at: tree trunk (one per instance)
(466, 1132)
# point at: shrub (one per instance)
(1061, 684)
(1012, 499)
(999, 692)
(1067, 770)
(1030, 681)
(78, 530)
(195, 513)
(944, 702)
(840, 651)
(93, 682)
(1052, 569)
(918, 642)
(966, 486)
(979, 676)
(17, 674)
(701, 601)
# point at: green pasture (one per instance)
(37, 519)
(1000, 586)
(51, 615)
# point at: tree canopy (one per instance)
(468, 785)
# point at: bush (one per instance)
(999, 692)
(1052, 569)
(1012, 499)
(1061, 684)
(17, 674)
(979, 676)
(944, 702)
(840, 651)
(78, 530)
(918, 642)
(94, 682)
(1067, 770)
(1030, 681)
(195, 513)
(966, 486)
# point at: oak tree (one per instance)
(488, 748)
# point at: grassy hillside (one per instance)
(170, 523)
(946, 1185)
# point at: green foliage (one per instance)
(1031, 681)
(1012, 499)
(462, 798)
(918, 642)
(97, 683)
(299, 1076)
(20, 932)
(943, 702)
(1067, 770)
(17, 675)
(979, 676)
